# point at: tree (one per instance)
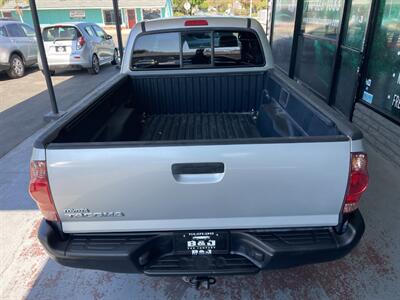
(220, 5)
(2, 2)
(179, 10)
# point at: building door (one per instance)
(350, 55)
(131, 18)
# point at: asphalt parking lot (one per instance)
(371, 271)
(24, 101)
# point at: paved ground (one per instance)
(371, 271)
(24, 101)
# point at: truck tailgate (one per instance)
(119, 189)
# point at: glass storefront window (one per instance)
(109, 17)
(357, 24)
(322, 17)
(382, 86)
(317, 44)
(151, 13)
(314, 63)
(285, 13)
(346, 85)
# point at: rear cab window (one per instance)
(157, 51)
(60, 33)
(197, 49)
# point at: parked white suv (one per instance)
(78, 45)
(18, 48)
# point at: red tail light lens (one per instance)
(81, 42)
(39, 190)
(358, 181)
(196, 23)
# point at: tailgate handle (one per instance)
(198, 168)
(198, 173)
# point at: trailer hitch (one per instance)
(200, 282)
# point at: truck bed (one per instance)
(199, 126)
(237, 107)
(198, 151)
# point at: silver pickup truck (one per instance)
(199, 159)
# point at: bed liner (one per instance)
(199, 126)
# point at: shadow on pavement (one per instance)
(22, 120)
(4, 76)
(14, 178)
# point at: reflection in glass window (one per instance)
(237, 48)
(196, 48)
(345, 91)
(322, 18)
(382, 87)
(314, 64)
(357, 23)
(159, 50)
(226, 46)
(229, 49)
(282, 37)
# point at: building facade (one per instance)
(96, 11)
(348, 53)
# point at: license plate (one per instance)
(202, 243)
(60, 49)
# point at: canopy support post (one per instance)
(55, 113)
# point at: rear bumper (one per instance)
(153, 253)
(69, 62)
(68, 66)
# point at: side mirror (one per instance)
(108, 37)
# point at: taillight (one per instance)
(81, 42)
(39, 189)
(196, 23)
(358, 181)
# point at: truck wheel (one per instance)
(115, 60)
(95, 69)
(17, 67)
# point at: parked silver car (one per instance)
(78, 45)
(18, 48)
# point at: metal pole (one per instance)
(251, 7)
(118, 28)
(42, 52)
